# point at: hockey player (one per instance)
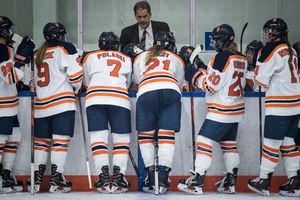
(223, 80)
(107, 76)
(159, 74)
(276, 70)
(10, 74)
(57, 77)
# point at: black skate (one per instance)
(149, 182)
(228, 183)
(38, 179)
(119, 184)
(292, 187)
(163, 178)
(9, 182)
(103, 183)
(192, 185)
(58, 182)
(261, 186)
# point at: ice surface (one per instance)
(140, 196)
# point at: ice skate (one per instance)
(292, 187)
(58, 182)
(163, 178)
(228, 183)
(149, 182)
(192, 185)
(119, 184)
(261, 186)
(38, 179)
(103, 183)
(10, 183)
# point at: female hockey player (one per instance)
(107, 76)
(57, 78)
(10, 135)
(276, 70)
(159, 74)
(224, 81)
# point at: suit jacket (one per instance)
(130, 34)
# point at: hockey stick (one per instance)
(156, 162)
(134, 165)
(260, 122)
(196, 51)
(84, 141)
(32, 122)
(241, 42)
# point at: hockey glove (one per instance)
(24, 51)
(192, 75)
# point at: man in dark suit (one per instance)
(144, 28)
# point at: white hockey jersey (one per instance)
(164, 72)
(9, 76)
(56, 80)
(107, 76)
(282, 85)
(224, 82)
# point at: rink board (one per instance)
(75, 170)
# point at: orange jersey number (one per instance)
(156, 63)
(237, 83)
(43, 72)
(116, 70)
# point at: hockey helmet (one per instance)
(6, 26)
(276, 27)
(255, 45)
(222, 35)
(185, 54)
(53, 31)
(296, 46)
(133, 50)
(166, 40)
(109, 38)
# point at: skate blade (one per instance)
(104, 190)
(228, 190)
(36, 188)
(117, 190)
(263, 192)
(17, 188)
(58, 189)
(292, 193)
(150, 189)
(5, 190)
(185, 188)
(162, 190)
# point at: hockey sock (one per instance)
(41, 151)
(121, 150)
(204, 154)
(270, 156)
(59, 151)
(166, 147)
(146, 142)
(99, 140)
(230, 155)
(290, 156)
(11, 148)
(3, 139)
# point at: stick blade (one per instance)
(197, 50)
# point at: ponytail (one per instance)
(153, 52)
(40, 54)
(284, 38)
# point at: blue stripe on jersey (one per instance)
(9, 102)
(75, 79)
(283, 101)
(157, 76)
(268, 49)
(226, 110)
(70, 48)
(4, 56)
(52, 100)
(106, 90)
(221, 60)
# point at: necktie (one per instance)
(143, 39)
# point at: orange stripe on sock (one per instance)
(122, 144)
(204, 145)
(271, 149)
(146, 134)
(120, 152)
(41, 149)
(13, 143)
(166, 142)
(294, 154)
(100, 152)
(10, 151)
(170, 133)
(231, 151)
(61, 141)
(146, 141)
(227, 144)
(274, 160)
(99, 143)
(60, 149)
(204, 153)
(42, 141)
(288, 147)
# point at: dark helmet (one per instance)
(166, 40)
(133, 50)
(276, 26)
(52, 31)
(222, 35)
(109, 38)
(296, 46)
(255, 45)
(185, 53)
(5, 25)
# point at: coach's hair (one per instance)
(153, 52)
(142, 5)
(41, 52)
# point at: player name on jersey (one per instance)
(110, 54)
